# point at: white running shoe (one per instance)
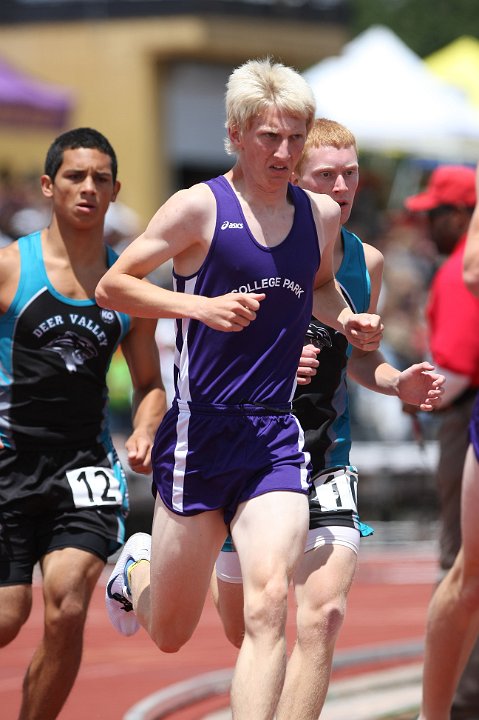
(118, 595)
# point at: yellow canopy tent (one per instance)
(458, 64)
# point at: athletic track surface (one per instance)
(387, 608)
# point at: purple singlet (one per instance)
(259, 363)
(230, 435)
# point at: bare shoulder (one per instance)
(374, 258)
(196, 202)
(181, 230)
(186, 216)
(9, 274)
(326, 206)
(199, 193)
(327, 217)
(375, 264)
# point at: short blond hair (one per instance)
(326, 133)
(257, 85)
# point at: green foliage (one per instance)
(424, 25)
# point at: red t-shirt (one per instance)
(453, 316)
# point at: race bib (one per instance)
(336, 491)
(92, 486)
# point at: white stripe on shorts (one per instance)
(181, 451)
(304, 474)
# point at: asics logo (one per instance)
(233, 226)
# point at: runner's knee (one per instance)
(265, 610)
(168, 641)
(171, 633)
(322, 621)
(12, 620)
(14, 614)
(66, 616)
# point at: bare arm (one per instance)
(418, 385)
(362, 330)
(181, 230)
(149, 399)
(471, 253)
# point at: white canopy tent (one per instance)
(392, 102)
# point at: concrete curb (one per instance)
(369, 696)
(168, 700)
(372, 696)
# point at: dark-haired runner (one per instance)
(63, 494)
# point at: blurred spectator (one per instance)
(407, 275)
(120, 393)
(23, 209)
(453, 317)
(408, 268)
(122, 225)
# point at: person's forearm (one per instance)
(373, 372)
(329, 306)
(141, 298)
(148, 409)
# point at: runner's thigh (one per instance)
(183, 554)
(269, 533)
(70, 573)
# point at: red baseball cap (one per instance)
(448, 185)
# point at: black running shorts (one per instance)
(57, 499)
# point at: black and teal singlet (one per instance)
(322, 407)
(54, 357)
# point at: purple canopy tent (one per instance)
(29, 103)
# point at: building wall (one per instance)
(118, 70)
